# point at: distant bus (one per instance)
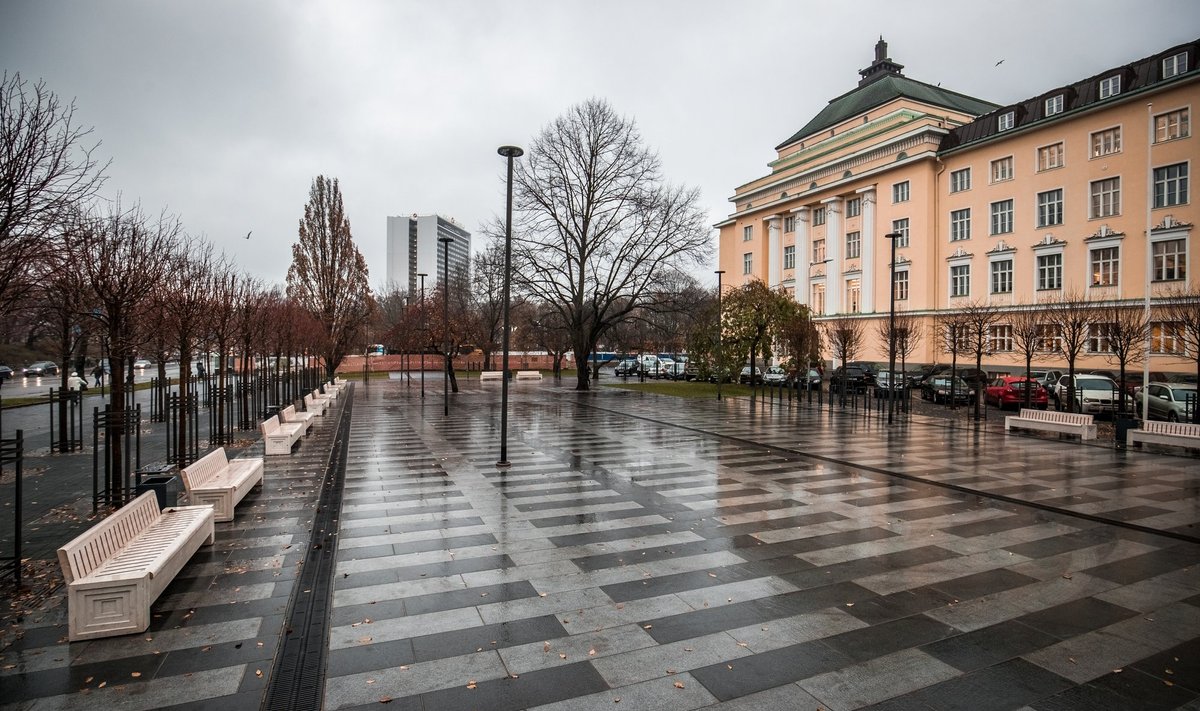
(375, 349)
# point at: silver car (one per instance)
(1173, 402)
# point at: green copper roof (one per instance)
(879, 92)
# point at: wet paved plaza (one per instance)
(648, 552)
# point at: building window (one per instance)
(960, 280)
(789, 257)
(1172, 125)
(1050, 208)
(1106, 197)
(1105, 263)
(960, 180)
(1002, 276)
(1171, 185)
(1000, 338)
(1170, 260)
(819, 216)
(900, 285)
(900, 192)
(818, 251)
(1173, 65)
(1106, 142)
(960, 224)
(853, 207)
(1054, 105)
(1050, 157)
(1098, 337)
(1166, 338)
(853, 245)
(747, 233)
(747, 263)
(1006, 121)
(1049, 271)
(1002, 169)
(853, 296)
(789, 223)
(901, 227)
(817, 303)
(1049, 339)
(1110, 86)
(1002, 217)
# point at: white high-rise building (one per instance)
(413, 248)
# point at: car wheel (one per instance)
(1172, 417)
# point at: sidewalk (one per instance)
(648, 552)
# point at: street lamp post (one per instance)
(892, 237)
(509, 152)
(719, 272)
(446, 240)
(423, 343)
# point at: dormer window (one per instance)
(1110, 86)
(1054, 105)
(1006, 121)
(1175, 64)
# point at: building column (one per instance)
(803, 257)
(834, 241)
(869, 240)
(774, 251)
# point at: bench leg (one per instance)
(221, 501)
(107, 609)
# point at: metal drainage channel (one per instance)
(298, 678)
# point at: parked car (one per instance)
(40, 368)
(1050, 382)
(626, 367)
(944, 389)
(1173, 402)
(918, 377)
(852, 378)
(660, 368)
(745, 375)
(677, 371)
(6, 373)
(809, 380)
(1094, 395)
(774, 376)
(1009, 391)
(884, 384)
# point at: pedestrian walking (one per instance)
(76, 383)
(98, 374)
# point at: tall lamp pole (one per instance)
(892, 237)
(719, 272)
(446, 240)
(424, 345)
(509, 152)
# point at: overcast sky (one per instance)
(223, 112)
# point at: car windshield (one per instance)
(1094, 384)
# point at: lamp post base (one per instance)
(504, 465)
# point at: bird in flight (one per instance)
(1000, 62)
(249, 233)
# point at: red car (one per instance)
(1009, 391)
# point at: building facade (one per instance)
(1008, 206)
(413, 248)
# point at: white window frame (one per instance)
(1174, 65)
(1048, 151)
(1000, 338)
(999, 176)
(1006, 120)
(1049, 338)
(816, 300)
(818, 214)
(1042, 273)
(901, 191)
(1000, 267)
(853, 292)
(902, 229)
(1105, 142)
(1001, 222)
(960, 180)
(900, 284)
(960, 280)
(1165, 338)
(960, 224)
(1174, 190)
(789, 223)
(789, 257)
(1173, 125)
(818, 250)
(1173, 263)
(1099, 337)
(854, 245)
(747, 233)
(1110, 86)
(853, 207)
(1054, 105)
(1100, 263)
(1044, 209)
(748, 263)
(1097, 200)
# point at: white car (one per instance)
(1094, 394)
(142, 364)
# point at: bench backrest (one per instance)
(90, 549)
(205, 469)
(1068, 418)
(288, 413)
(269, 426)
(1173, 428)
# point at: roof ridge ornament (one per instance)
(882, 66)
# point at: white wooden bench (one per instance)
(289, 415)
(335, 387)
(488, 376)
(116, 569)
(1064, 422)
(220, 482)
(529, 375)
(1173, 434)
(279, 437)
(316, 403)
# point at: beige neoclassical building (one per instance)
(1006, 205)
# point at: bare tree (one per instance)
(908, 337)
(1072, 318)
(1120, 333)
(978, 317)
(185, 314)
(547, 332)
(486, 324)
(1028, 332)
(1180, 312)
(63, 302)
(46, 174)
(328, 275)
(600, 229)
(952, 334)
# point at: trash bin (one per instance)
(162, 481)
(1125, 422)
